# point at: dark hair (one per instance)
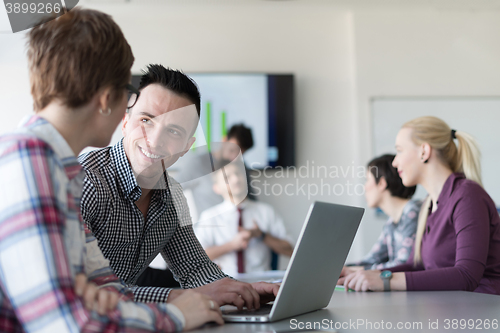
(382, 167)
(242, 134)
(173, 80)
(73, 56)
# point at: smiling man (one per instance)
(136, 210)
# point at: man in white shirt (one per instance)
(240, 233)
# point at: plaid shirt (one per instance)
(129, 241)
(43, 244)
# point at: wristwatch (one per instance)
(386, 277)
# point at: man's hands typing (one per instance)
(237, 293)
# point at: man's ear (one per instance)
(126, 118)
(188, 146)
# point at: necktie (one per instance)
(239, 254)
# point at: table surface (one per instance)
(443, 311)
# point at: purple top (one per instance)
(461, 243)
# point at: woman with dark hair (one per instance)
(384, 189)
(79, 68)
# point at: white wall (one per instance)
(422, 53)
(15, 98)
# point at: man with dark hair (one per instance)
(136, 210)
(241, 137)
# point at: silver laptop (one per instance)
(314, 268)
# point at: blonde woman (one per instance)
(457, 246)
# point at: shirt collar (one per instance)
(242, 205)
(126, 178)
(449, 187)
(44, 130)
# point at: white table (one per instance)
(416, 310)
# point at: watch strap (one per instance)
(387, 284)
(386, 277)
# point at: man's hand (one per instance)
(240, 241)
(266, 291)
(197, 309)
(94, 298)
(226, 291)
(237, 293)
(255, 232)
(229, 291)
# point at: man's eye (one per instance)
(146, 121)
(174, 132)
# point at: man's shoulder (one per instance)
(95, 159)
(97, 165)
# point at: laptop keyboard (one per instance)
(263, 310)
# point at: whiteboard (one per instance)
(478, 116)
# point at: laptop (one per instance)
(314, 268)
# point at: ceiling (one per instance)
(467, 5)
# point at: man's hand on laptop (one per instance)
(267, 291)
(226, 291)
(237, 293)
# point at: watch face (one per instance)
(386, 274)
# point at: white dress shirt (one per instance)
(219, 225)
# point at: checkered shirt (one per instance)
(43, 244)
(129, 241)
